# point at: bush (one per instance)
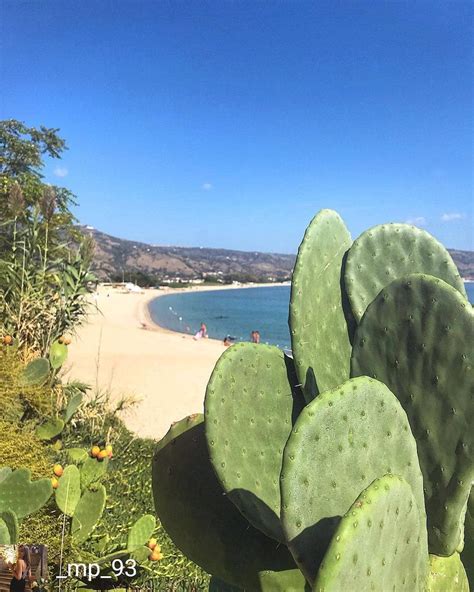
(129, 496)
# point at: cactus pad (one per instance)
(92, 470)
(57, 355)
(22, 496)
(50, 429)
(35, 373)
(447, 574)
(87, 514)
(417, 338)
(72, 406)
(68, 492)
(8, 528)
(250, 407)
(320, 321)
(388, 252)
(376, 545)
(341, 442)
(201, 521)
(140, 532)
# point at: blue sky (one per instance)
(229, 124)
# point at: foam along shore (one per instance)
(121, 350)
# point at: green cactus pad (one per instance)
(8, 528)
(4, 472)
(21, 495)
(57, 355)
(320, 321)
(417, 338)
(92, 470)
(250, 407)
(68, 492)
(341, 442)
(447, 574)
(4, 533)
(467, 554)
(35, 373)
(140, 532)
(388, 252)
(72, 406)
(87, 514)
(77, 455)
(50, 429)
(201, 521)
(377, 544)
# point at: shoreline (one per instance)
(121, 351)
(154, 326)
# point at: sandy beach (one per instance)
(167, 371)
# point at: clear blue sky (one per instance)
(229, 124)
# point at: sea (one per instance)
(235, 313)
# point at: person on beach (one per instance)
(202, 332)
(21, 570)
(255, 337)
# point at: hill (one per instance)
(117, 259)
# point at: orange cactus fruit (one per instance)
(155, 555)
(58, 470)
(54, 483)
(8, 340)
(61, 339)
(109, 450)
(95, 451)
(66, 340)
(102, 454)
(152, 543)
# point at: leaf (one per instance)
(140, 533)
(11, 521)
(77, 455)
(50, 429)
(92, 470)
(68, 492)
(72, 406)
(57, 354)
(35, 373)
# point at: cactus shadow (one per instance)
(296, 391)
(310, 546)
(346, 305)
(267, 516)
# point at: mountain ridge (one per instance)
(118, 259)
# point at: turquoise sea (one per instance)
(232, 312)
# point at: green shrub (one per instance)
(129, 496)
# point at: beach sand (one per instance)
(167, 371)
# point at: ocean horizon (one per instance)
(235, 313)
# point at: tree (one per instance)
(44, 259)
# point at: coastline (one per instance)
(154, 326)
(122, 352)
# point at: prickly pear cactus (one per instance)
(203, 522)
(72, 406)
(8, 528)
(341, 442)
(320, 319)
(417, 338)
(391, 251)
(50, 429)
(87, 514)
(140, 532)
(21, 495)
(378, 543)
(92, 471)
(250, 407)
(68, 492)
(36, 372)
(447, 574)
(57, 355)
